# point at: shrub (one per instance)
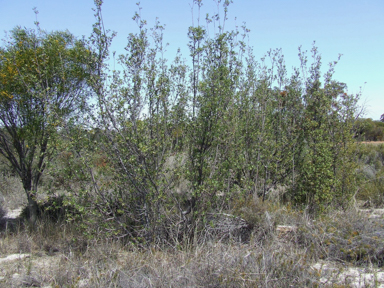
(54, 208)
(371, 174)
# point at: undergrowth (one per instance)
(61, 256)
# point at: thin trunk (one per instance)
(30, 190)
(32, 208)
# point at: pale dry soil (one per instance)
(372, 142)
(332, 273)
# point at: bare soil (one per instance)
(372, 142)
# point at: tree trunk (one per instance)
(32, 208)
(30, 190)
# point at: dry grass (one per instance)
(345, 237)
(111, 264)
(61, 256)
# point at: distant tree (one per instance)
(382, 118)
(369, 130)
(42, 84)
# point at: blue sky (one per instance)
(354, 28)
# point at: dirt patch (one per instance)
(14, 257)
(372, 142)
(336, 274)
(19, 270)
(14, 213)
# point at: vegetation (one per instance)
(42, 85)
(227, 127)
(369, 130)
(169, 161)
(232, 127)
(370, 173)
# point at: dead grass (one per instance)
(61, 256)
(110, 264)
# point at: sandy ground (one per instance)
(372, 142)
(13, 214)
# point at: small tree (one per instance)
(140, 112)
(42, 84)
(325, 168)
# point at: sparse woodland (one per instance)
(177, 161)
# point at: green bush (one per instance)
(54, 209)
(369, 130)
(370, 174)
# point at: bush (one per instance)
(369, 130)
(54, 208)
(371, 174)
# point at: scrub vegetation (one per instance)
(214, 169)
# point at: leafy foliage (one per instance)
(227, 127)
(169, 144)
(369, 130)
(42, 84)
